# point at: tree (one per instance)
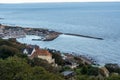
(57, 56)
(42, 63)
(93, 71)
(81, 77)
(113, 68)
(12, 43)
(84, 70)
(114, 77)
(15, 68)
(89, 70)
(6, 51)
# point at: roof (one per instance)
(40, 52)
(105, 69)
(37, 51)
(66, 73)
(43, 52)
(30, 50)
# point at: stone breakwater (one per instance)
(86, 36)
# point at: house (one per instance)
(68, 75)
(69, 60)
(1, 31)
(35, 51)
(71, 63)
(28, 51)
(63, 56)
(104, 71)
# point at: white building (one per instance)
(39, 53)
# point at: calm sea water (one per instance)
(94, 19)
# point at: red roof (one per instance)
(40, 52)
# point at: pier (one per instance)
(78, 35)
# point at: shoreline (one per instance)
(46, 34)
(12, 32)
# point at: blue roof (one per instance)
(66, 73)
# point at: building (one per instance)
(1, 31)
(14, 33)
(68, 75)
(35, 51)
(69, 61)
(104, 71)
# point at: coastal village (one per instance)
(70, 63)
(19, 32)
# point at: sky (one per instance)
(32, 1)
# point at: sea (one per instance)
(98, 19)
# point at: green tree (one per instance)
(93, 71)
(113, 68)
(84, 70)
(81, 77)
(57, 56)
(42, 63)
(6, 51)
(15, 68)
(114, 77)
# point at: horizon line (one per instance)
(60, 2)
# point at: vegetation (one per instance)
(43, 63)
(113, 68)
(17, 66)
(12, 43)
(114, 77)
(7, 51)
(57, 56)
